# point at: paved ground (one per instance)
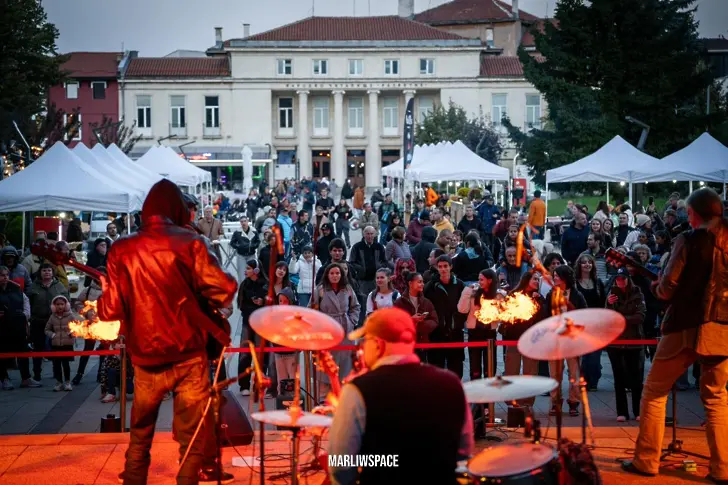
(42, 431)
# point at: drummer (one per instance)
(391, 409)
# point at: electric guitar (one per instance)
(325, 362)
(615, 258)
(218, 333)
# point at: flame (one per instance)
(517, 307)
(95, 329)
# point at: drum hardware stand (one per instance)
(491, 422)
(586, 419)
(676, 446)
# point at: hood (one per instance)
(61, 297)
(429, 234)
(165, 199)
(288, 292)
(9, 251)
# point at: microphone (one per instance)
(261, 381)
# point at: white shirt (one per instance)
(383, 301)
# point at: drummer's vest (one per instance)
(417, 412)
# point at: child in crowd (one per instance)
(285, 361)
(57, 329)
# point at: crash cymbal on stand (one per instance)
(297, 327)
(571, 334)
(289, 419)
(506, 388)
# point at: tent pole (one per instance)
(630, 194)
(128, 225)
(690, 186)
(607, 193)
(546, 200)
(23, 237)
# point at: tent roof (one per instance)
(108, 168)
(59, 180)
(458, 162)
(704, 159)
(127, 165)
(616, 161)
(419, 157)
(165, 162)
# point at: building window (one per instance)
(178, 118)
(285, 67)
(427, 67)
(71, 90)
(212, 112)
(426, 106)
(320, 67)
(144, 111)
(75, 132)
(489, 41)
(356, 67)
(391, 67)
(99, 89)
(533, 111)
(321, 116)
(390, 113)
(285, 116)
(499, 108)
(356, 116)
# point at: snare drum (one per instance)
(516, 464)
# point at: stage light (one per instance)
(621, 183)
(62, 215)
(702, 183)
(674, 181)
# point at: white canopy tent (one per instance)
(166, 162)
(458, 162)
(128, 166)
(419, 158)
(616, 161)
(108, 169)
(705, 159)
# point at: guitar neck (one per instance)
(88, 270)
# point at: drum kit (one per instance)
(564, 336)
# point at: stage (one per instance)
(97, 459)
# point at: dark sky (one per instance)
(158, 27)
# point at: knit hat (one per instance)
(641, 219)
(425, 216)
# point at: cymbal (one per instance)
(571, 334)
(297, 327)
(287, 419)
(507, 388)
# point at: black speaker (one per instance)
(236, 428)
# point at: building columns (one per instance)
(338, 153)
(303, 151)
(373, 165)
(408, 94)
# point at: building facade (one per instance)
(322, 97)
(91, 89)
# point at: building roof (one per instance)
(528, 39)
(173, 67)
(502, 66)
(716, 44)
(344, 29)
(186, 53)
(471, 12)
(92, 64)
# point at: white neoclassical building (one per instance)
(321, 97)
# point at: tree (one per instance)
(109, 131)
(29, 64)
(452, 124)
(609, 59)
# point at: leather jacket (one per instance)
(706, 279)
(161, 280)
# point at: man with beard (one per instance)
(695, 327)
(166, 325)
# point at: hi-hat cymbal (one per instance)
(297, 327)
(290, 420)
(571, 334)
(507, 388)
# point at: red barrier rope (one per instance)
(235, 350)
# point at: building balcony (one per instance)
(211, 132)
(178, 131)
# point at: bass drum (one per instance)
(516, 464)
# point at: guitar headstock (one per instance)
(49, 252)
(325, 362)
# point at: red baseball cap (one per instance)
(389, 324)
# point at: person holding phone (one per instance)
(628, 362)
(421, 309)
(251, 296)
